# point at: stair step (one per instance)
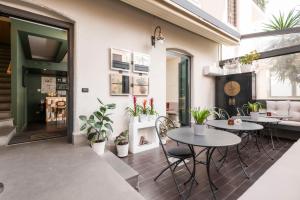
(7, 122)
(5, 79)
(4, 106)
(5, 98)
(4, 92)
(6, 133)
(5, 115)
(5, 86)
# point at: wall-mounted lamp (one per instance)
(157, 36)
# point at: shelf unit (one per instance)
(138, 129)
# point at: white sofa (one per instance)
(281, 181)
(286, 108)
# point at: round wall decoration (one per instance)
(232, 88)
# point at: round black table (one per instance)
(211, 139)
(265, 121)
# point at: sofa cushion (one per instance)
(278, 107)
(294, 111)
(290, 123)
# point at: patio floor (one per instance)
(231, 180)
(54, 169)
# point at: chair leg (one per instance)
(165, 169)
(189, 170)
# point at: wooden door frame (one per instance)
(7, 11)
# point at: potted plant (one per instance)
(143, 116)
(135, 111)
(247, 60)
(152, 112)
(253, 108)
(200, 116)
(122, 144)
(98, 125)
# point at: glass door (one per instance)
(184, 92)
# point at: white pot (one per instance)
(99, 147)
(246, 68)
(122, 150)
(199, 129)
(143, 118)
(164, 140)
(254, 115)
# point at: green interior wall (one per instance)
(19, 93)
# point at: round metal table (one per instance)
(248, 127)
(266, 122)
(211, 139)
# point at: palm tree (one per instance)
(283, 22)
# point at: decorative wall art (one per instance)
(140, 85)
(120, 59)
(48, 84)
(141, 63)
(119, 85)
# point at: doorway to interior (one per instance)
(178, 87)
(41, 81)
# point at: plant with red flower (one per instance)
(136, 110)
(152, 111)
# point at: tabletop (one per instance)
(244, 126)
(209, 138)
(259, 119)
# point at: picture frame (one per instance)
(120, 59)
(119, 84)
(140, 85)
(141, 63)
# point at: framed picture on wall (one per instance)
(119, 85)
(120, 59)
(140, 85)
(48, 84)
(141, 63)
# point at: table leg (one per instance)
(263, 148)
(192, 178)
(208, 159)
(242, 163)
(271, 135)
(256, 141)
(223, 159)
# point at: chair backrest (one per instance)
(60, 104)
(223, 114)
(162, 125)
(241, 111)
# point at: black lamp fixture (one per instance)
(157, 36)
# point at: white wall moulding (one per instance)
(188, 18)
(120, 59)
(141, 63)
(145, 129)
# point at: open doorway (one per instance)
(35, 97)
(178, 87)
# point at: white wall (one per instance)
(172, 79)
(102, 24)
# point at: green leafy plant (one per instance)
(201, 115)
(253, 107)
(282, 21)
(98, 124)
(122, 139)
(261, 4)
(249, 58)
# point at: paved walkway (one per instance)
(55, 170)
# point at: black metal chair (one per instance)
(181, 153)
(240, 111)
(222, 114)
(1, 187)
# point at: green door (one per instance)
(184, 92)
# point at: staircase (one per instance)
(7, 130)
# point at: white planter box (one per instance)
(199, 129)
